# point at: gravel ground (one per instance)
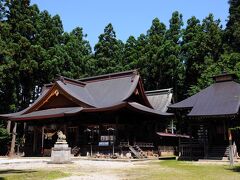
(79, 169)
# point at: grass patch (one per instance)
(172, 169)
(31, 174)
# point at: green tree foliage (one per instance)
(173, 65)
(34, 49)
(21, 19)
(108, 52)
(130, 53)
(3, 9)
(152, 55)
(79, 51)
(232, 32)
(192, 56)
(158, 55)
(4, 138)
(202, 49)
(230, 58)
(7, 64)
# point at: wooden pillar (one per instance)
(172, 130)
(12, 149)
(77, 136)
(116, 130)
(65, 129)
(224, 131)
(23, 137)
(206, 131)
(190, 148)
(42, 147)
(34, 139)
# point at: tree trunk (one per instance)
(12, 150)
(9, 127)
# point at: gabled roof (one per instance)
(94, 94)
(160, 99)
(220, 99)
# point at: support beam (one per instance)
(12, 149)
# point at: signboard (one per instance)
(107, 138)
(103, 143)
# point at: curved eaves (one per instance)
(137, 83)
(133, 87)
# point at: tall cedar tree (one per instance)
(150, 62)
(232, 32)
(130, 54)
(22, 19)
(34, 49)
(193, 50)
(173, 64)
(230, 59)
(108, 52)
(213, 49)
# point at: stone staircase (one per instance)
(137, 151)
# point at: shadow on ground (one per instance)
(13, 171)
(234, 169)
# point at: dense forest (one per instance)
(34, 49)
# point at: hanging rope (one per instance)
(49, 135)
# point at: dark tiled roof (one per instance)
(98, 93)
(102, 92)
(219, 99)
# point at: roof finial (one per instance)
(60, 78)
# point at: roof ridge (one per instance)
(63, 79)
(159, 90)
(110, 75)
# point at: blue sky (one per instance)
(129, 17)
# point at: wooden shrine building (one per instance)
(209, 117)
(96, 114)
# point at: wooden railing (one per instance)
(124, 144)
(143, 144)
(140, 144)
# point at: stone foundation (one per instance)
(61, 153)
